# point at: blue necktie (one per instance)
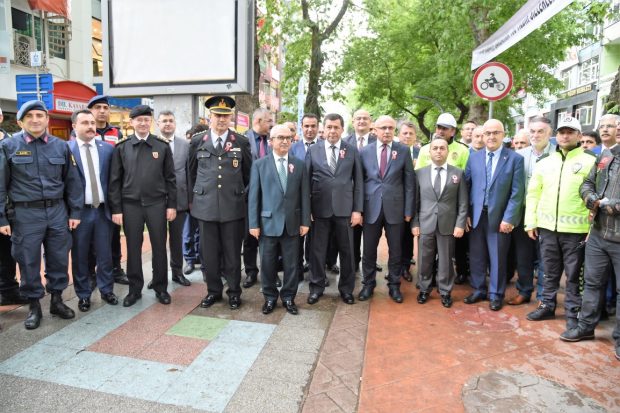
(282, 173)
(489, 176)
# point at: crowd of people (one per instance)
(480, 208)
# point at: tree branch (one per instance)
(330, 29)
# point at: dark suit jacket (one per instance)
(507, 190)
(252, 136)
(180, 156)
(298, 149)
(395, 191)
(336, 194)
(105, 159)
(269, 207)
(219, 180)
(443, 213)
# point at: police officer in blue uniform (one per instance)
(40, 179)
(220, 162)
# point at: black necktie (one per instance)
(437, 183)
(218, 147)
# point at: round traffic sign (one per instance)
(492, 81)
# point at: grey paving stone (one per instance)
(291, 356)
(256, 394)
(297, 338)
(308, 319)
(276, 368)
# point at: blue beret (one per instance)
(141, 110)
(97, 99)
(30, 105)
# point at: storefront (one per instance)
(69, 96)
(579, 103)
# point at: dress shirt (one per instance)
(141, 138)
(214, 137)
(443, 174)
(380, 148)
(88, 193)
(328, 149)
(276, 158)
(312, 142)
(496, 154)
(364, 141)
(170, 142)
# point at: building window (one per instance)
(97, 48)
(57, 38)
(565, 79)
(588, 71)
(583, 113)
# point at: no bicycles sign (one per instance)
(492, 81)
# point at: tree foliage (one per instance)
(423, 48)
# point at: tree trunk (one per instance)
(314, 75)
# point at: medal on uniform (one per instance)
(155, 155)
(235, 163)
(73, 160)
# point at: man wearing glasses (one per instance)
(495, 178)
(278, 213)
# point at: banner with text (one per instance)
(529, 18)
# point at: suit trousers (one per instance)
(191, 241)
(332, 250)
(372, 235)
(175, 241)
(220, 244)
(135, 216)
(430, 246)
(488, 249)
(461, 255)
(116, 246)
(407, 253)
(8, 284)
(322, 229)
(525, 252)
(250, 252)
(92, 236)
(599, 254)
(562, 253)
(270, 248)
(357, 245)
(32, 228)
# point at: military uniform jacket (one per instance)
(219, 180)
(39, 170)
(142, 171)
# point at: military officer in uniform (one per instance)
(142, 189)
(219, 173)
(40, 178)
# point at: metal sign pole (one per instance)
(490, 109)
(36, 73)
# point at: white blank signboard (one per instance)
(178, 47)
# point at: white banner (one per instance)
(529, 18)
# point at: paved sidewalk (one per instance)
(332, 357)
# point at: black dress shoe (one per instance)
(110, 298)
(269, 306)
(290, 306)
(378, 267)
(334, 269)
(313, 298)
(13, 298)
(495, 305)
(57, 307)
(396, 295)
(131, 299)
(250, 280)
(119, 276)
(366, 293)
(460, 279)
(577, 334)
(446, 300)
(422, 297)
(234, 302)
(407, 276)
(188, 269)
(180, 279)
(347, 298)
(278, 281)
(209, 300)
(164, 297)
(84, 304)
(473, 298)
(34, 315)
(150, 285)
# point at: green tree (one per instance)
(420, 50)
(306, 27)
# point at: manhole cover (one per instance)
(509, 391)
